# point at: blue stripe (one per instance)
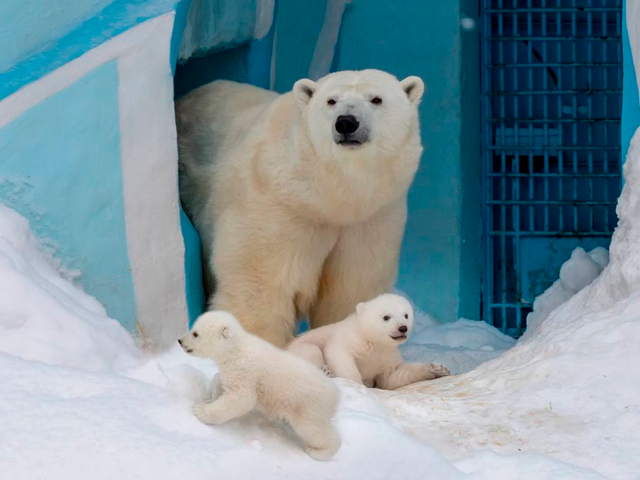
(116, 18)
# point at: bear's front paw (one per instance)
(201, 411)
(327, 371)
(431, 371)
(440, 370)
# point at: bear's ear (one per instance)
(226, 333)
(303, 90)
(414, 88)
(361, 308)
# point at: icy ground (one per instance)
(78, 400)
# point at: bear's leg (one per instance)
(362, 265)
(230, 405)
(264, 264)
(320, 437)
(408, 373)
(269, 315)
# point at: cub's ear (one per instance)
(303, 90)
(361, 308)
(225, 333)
(414, 88)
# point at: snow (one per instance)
(569, 391)
(79, 400)
(460, 346)
(63, 325)
(575, 274)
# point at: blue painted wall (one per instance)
(38, 36)
(441, 256)
(630, 99)
(63, 151)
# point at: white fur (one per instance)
(292, 222)
(364, 346)
(256, 375)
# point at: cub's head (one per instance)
(387, 318)
(211, 334)
(355, 111)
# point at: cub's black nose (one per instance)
(180, 341)
(403, 329)
(346, 124)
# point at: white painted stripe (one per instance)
(264, 18)
(149, 162)
(327, 39)
(272, 71)
(633, 27)
(150, 171)
(16, 104)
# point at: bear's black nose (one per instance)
(346, 124)
(180, 341)
(403, 329)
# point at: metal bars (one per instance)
(552, 100)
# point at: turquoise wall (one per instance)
(46, 161)
(630, 98)
(441, 257)
(38, 36)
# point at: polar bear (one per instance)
(300, 199)
(256, 375)
(364, 346)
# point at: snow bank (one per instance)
(62, 423)
(79, 401)
(569, 391)
(575, 274)
(44, 317)
(461, 346)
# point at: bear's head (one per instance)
(387, 319)
(360, 112)
(211, 335)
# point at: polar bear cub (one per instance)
(256, 375)
(364, 346)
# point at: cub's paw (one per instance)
(431, 371)
(320, 454)
(327, 371)
(201, 411)
(440, 370)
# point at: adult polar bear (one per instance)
(301, 198)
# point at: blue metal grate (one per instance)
(552, 100)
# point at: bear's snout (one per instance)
(180, 341)
(347, 124)
(403, 329)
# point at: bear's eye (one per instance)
(376, 100)
(195, 334)
(406, 316)
(331, 102)
(386, 318)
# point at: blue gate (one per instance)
(552, 101)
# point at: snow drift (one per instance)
(567, 391)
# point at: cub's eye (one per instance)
(386, 318)
(331, 102)
(406, 316)
(195, 334)
(376, 100)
